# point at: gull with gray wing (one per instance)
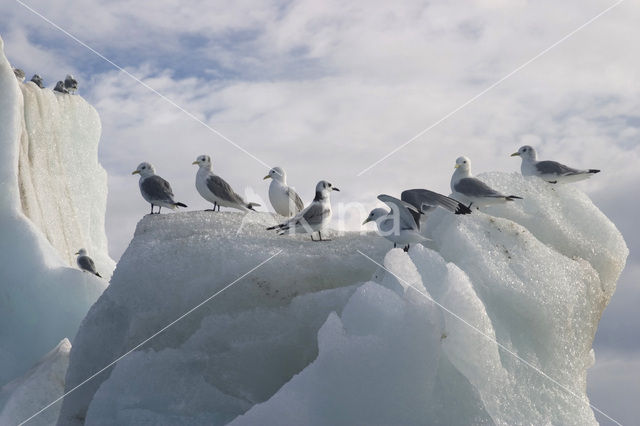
(551, 171)
(86, 263)
(467, 187)
(154, 189)
(284, 199)
(426, 201)
(400, 225)
(314, 218)
(216, 190)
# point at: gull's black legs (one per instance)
(406, 248)
(151, 208)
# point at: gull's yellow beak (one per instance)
(77, 252)
(266, 177)
(135, 172)
(195, 162)
(515, 154)
(367, 220)
(456, 166)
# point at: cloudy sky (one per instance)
(327, 89)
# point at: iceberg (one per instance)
(492, 322)
(52, 198)
(25, 396)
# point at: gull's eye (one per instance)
(524, 150)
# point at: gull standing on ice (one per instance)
(401, 225)
(38, 81)
(284, 199)
(473, 189)
(314, 218)
(60, 87)
(19, 74)
(70, 83)
(86, 263)
(154, 189)
(551, 171)
(216, 190)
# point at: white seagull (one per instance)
(473, 189)
(154, 189)
(86, 263)
(216, 190)
(284, 199)
(551, 171)
(314, 218)
(401, 225)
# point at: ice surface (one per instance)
(23, 397)
(244, 344)
(52, 198)
(322, 335)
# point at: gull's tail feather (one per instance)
(98, 275)
(594, 171)
(251, 206)
(179, 204)
(512, 197)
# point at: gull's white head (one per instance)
(203, 161)
(526, 152)
(144, 170)
(82, 252)
(277, 174)
(376, 214)
(323, 189)
(463, 163)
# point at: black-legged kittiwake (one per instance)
(466, 187)
(70, 83)
(216, 190)
(314, 218)
(401, 225)
(60, 87)
(19, 74)
(284, 199)
(154, 189)
(38, 81)
(551, 171)
(86, 263)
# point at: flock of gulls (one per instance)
(400, 224)
(69, 85)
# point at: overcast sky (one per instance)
(326, 89)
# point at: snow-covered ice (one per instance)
(322, 335)
(52, 202)
(23, 397)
